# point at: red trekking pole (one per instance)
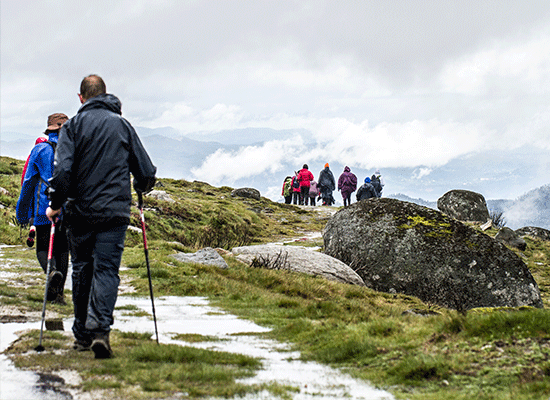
(49, 270)
(142, 217)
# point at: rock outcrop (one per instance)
(511, 238)
(207, 256)
(298, 259)
(464, 205)
(534, 232)
(402, 247)
(161, 195)
(250, 193)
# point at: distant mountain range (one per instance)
(495, 175)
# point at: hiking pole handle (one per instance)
(140, 199)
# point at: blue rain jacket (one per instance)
(33, 201)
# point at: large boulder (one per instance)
(396, 246)
(298, 259)
(534, 232)
(464, 205)
(511, 238)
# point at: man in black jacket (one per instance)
(96, 152)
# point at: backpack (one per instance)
(375, 181)
(286, 188)
(37, 142)
(295, 183)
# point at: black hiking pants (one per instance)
(96, 252)
(60, 254)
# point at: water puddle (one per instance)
(187, 315)
(193, 315)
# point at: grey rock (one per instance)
(511, 238)
(161, 195)
(249, 193)
(464, 205)
(207, 256)
(298, 259)
(422, 252)
(535, 232)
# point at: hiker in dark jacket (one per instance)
(366, 191)
(378, 182)
(32, 205)
(347, 183)
(326, 185)
(295, 187)
(96, 153)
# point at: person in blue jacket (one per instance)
(32, 205)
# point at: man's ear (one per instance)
(82, 101)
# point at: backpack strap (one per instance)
(53, 144)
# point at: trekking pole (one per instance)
(48, 271)
(142, 217)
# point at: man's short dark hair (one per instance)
(92, 86)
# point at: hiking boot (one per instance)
(80, 345)
(55, 280)
(101, 347)
(59, 299)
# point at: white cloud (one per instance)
(247, 161)
(421, 173)
(523, 66)
(430, 143)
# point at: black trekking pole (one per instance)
(142, 217)
(48, 271)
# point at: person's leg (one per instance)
(42, 245)
(61, 257)
(81, 246)
(312, 201)
(305, 195)
(109, 245)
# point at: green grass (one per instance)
(488, 354)
(157, 370)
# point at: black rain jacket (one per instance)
(96, 152)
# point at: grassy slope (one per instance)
(485, 354)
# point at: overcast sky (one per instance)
(378, 83)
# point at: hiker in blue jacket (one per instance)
(32, 205)
(366, 191)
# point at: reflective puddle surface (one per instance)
(193, 315)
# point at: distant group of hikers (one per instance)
(302, 189)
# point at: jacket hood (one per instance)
(105, 101)
(346, 169)
(53, 136)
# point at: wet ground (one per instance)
(190, 315)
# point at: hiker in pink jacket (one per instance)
(347, 183)
(305, 177)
